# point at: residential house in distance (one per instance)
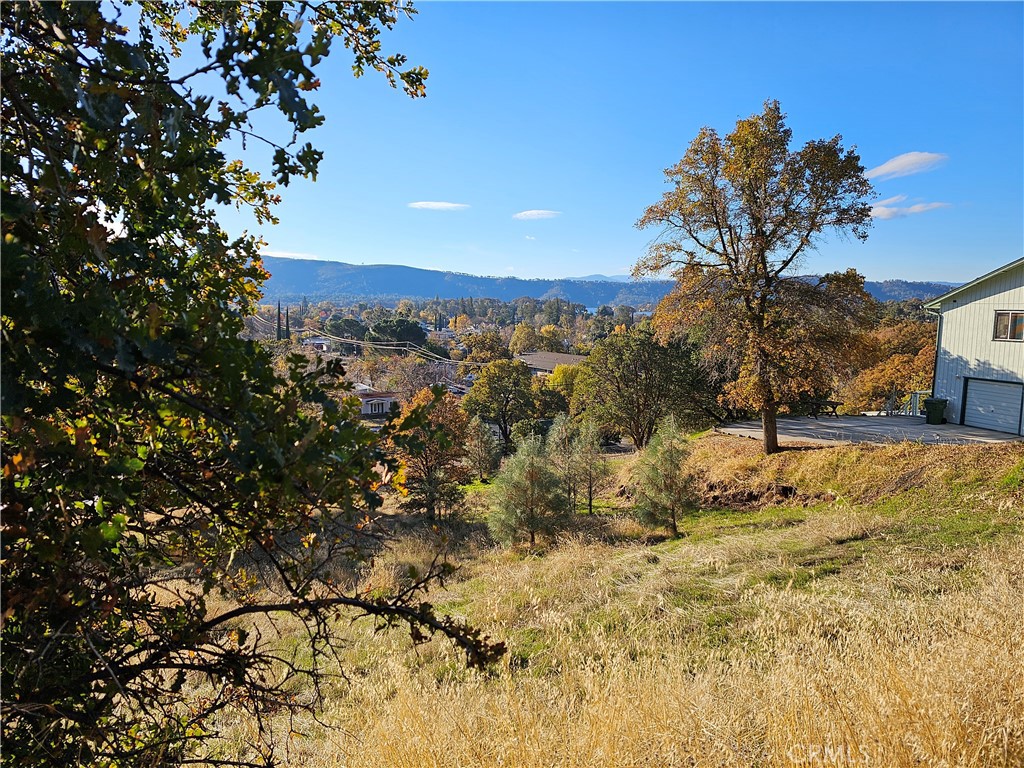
(442, 336)
(979, 357)
(375, 405)
(318, 343)
(543, 363)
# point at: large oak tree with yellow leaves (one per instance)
(742, 213)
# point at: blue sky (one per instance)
(572, 110)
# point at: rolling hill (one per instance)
(291, 279)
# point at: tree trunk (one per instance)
(770, 429)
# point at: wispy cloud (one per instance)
(892, 200)
(430, 205)
(907, 164)
(530, 237)
(885, 209)
(535, 214)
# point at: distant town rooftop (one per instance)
(545, 362)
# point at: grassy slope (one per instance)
(873, 616)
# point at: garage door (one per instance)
(993, 405)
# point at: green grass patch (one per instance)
(696, 592)
(1014, 479)
(713, 523)
(477, 486)
(957, 528)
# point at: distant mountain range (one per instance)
(291, 279)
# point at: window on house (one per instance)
(1009, 326)
(377, 406)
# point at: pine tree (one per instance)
(560, 448)
(481, 448)
(593, 470)
(528, 496)
(665, 490)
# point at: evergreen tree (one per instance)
(665, 490)
(528, 497)
(481, 448)
(560, 447)
(592, 466)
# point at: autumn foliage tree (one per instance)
(740, 216)
(432, 453)
(163, 485)
(900, 360)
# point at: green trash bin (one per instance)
(934, 408)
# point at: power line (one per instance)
(394, 346)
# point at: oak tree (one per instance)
(482, 348)
(163, 486)
(900, 360)
(742, 213)
(524, 339)
(502, 394)
(432, 453)
(631, 380)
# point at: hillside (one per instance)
(291, 279)
(859, 599)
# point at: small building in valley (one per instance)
(543, 363)
(318, 343)
(374, 404)
(979, 356)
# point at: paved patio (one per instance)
(870, 429)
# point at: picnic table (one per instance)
(826, 407)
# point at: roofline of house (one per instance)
(936, 303)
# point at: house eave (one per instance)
(935, 305)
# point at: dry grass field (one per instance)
(833, 607)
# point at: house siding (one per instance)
(966, 349)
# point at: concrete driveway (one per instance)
(870, 429)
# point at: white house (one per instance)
(979, 357)
(318, 343)
(373, 404)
